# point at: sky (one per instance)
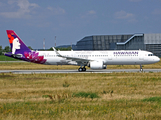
(72, 20)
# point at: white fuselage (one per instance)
(115, 57)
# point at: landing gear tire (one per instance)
(141, 70)
(82, 69)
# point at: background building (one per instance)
(149, 42)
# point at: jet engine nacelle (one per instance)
(97, 65)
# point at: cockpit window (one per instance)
(150, 55)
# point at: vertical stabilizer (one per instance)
(17, 45)
(21, 51)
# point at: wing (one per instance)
(78, 60)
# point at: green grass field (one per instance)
(113, 96)
(5, 58)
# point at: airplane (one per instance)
(92, 59)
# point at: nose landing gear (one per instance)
(141, 69)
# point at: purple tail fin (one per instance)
(17, 45)
(21, 51)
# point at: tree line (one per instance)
(6, 49)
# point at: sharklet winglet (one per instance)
(58, 54)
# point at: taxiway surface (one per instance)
(75, 71)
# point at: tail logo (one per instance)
(15, 43)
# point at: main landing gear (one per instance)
(141, 69)
(81, 69)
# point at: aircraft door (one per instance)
(141, 57)
(110, 57)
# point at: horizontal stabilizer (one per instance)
(13, 55)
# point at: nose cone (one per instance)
(157, 59)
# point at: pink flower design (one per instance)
(33, 57)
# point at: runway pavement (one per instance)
(75, 71)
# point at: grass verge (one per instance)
(5, 58)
